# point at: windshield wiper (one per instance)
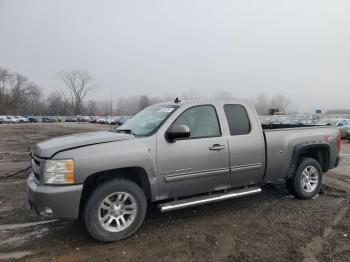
(126, 131)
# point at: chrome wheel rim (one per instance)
(117, 211)
(309, 179)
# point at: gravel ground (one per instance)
(271, 226)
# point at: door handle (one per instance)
(217, 147)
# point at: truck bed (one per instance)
(283, 126)
(281, 140)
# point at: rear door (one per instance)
(197, 164)
(246, 146)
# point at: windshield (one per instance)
(148, 120)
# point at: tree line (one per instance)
(20, 96)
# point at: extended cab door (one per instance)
(197, 164)
(246, 145)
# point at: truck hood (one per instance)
(48, 148)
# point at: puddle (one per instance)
(17, 239)
(5, 208)
(15, 226)
(315, 247)
(14, 255)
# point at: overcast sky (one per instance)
(298, 48)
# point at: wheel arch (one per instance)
(138, 175)
(319, 152)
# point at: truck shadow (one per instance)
(63, 232)
(199, 227)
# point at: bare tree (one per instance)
(33, 95)
(223, 94)
(144, 102)
(5, 79)
(56, 104)
(19, 91)
(262, 103)
(80, 84)
(280, 102)
(92, 108)
(191, 94)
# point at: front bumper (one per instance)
(54, 201)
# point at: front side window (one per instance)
(237, 119)
(202, 121)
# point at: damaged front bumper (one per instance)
(54, 201)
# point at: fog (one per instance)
(299, 49)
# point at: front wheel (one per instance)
(115, 210)
(307, 180)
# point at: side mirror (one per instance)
(179, 131)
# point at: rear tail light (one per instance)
(339, 142)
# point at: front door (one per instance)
(197, 164)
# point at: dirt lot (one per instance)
(271, 226)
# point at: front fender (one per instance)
(89, 160)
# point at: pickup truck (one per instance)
(176, 155)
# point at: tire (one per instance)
(307, 180)
(103, 221)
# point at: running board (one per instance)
(177, 204)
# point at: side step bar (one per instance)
(177, 204)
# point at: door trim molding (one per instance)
(242, 168)
(196, 174)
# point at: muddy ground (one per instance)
(271, 226)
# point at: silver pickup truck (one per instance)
(175, 154)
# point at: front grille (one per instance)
(37, 177)
(37, 166)
(36, 162)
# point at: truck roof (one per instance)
(216, 102)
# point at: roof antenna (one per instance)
(177, 100)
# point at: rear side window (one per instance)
(237, 119)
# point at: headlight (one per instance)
(59, 172)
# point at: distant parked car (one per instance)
(343, 124)
(122, 120)
(110, 121)
(5, 120)
(82, 118)
(93, 119)
(305, 121)
(101, 120)
(22, 119)
(71, 119)
(32, 119)
(106, 120)
(55, 118)
(46, 119)
(12, 119)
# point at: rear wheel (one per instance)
(307, 180)
(115, 210)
